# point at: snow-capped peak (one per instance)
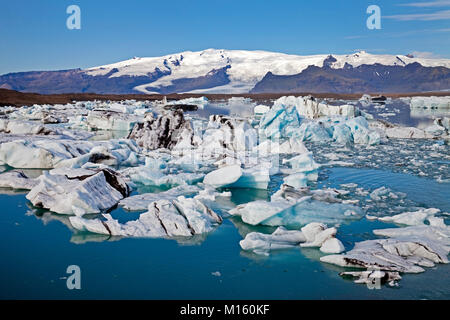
(244, 68)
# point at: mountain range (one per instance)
(240, 71)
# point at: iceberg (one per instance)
(311, 235)
(95, 192)
(407, 250)
(223, 176)
(141, 201)
(261, 109)
(165, 131)
(413, 218)
(295, 208)
(430, 102)
(50, 153)
(182, 217)
(257, 177)
(281, 238)
(16, 180)
(156, 177)
(303, 168)
(111, 120)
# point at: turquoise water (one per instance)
(38, 246)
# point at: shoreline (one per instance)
(19, 99)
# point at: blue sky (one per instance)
(34, 35)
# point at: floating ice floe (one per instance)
(160, 178)
(48, 153)
(16, 180)
(182, 217)
(311, 235)
(414, 218)
(270, 147)
(79, 191)
(111, 120)
(223, 176)
(430, 102)
(291, 117)
(226, 133)
(291, 207)
(24, 129)
(400, 132)
(261, 109)
(407, 249)
(141, 201)
(199, 102)
(303, 169)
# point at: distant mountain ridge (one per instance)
(240, 71)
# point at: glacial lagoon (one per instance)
(38, 245)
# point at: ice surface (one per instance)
(223, 176)
(141, 201)
(311, 235)
(408, 250)
(293, 207)
(94, 193)
(16, 180)
(261, 109)
(182, 217)
(291, 117)
(412, 218)
(430, 102)
(157, 177)
(47, 154)
(164, 131)
(110, 120)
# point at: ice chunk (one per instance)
(311, 235)
(156, 177)
(223, 177)
(430, 102)
(270, 147)
(141, 201)
(296, 212)
(281, 238)
(258, 211)
(227, 133)
(183, 217)
(412, 218)
(361, 132)
(111, 120)
(261, 109)
(165, 131)
(409, 250)
(310, 210)
(332, 245)
(304, 169)
(50, 153)
(257, 177)
(94, 193)
(16, 180)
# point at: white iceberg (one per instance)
(311, 235)
(182, 217)
(96, 192)
(16, 180)
(141, 201)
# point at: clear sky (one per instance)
(34, 36)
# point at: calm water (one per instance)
(37, 248)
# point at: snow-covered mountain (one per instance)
(215, 71)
